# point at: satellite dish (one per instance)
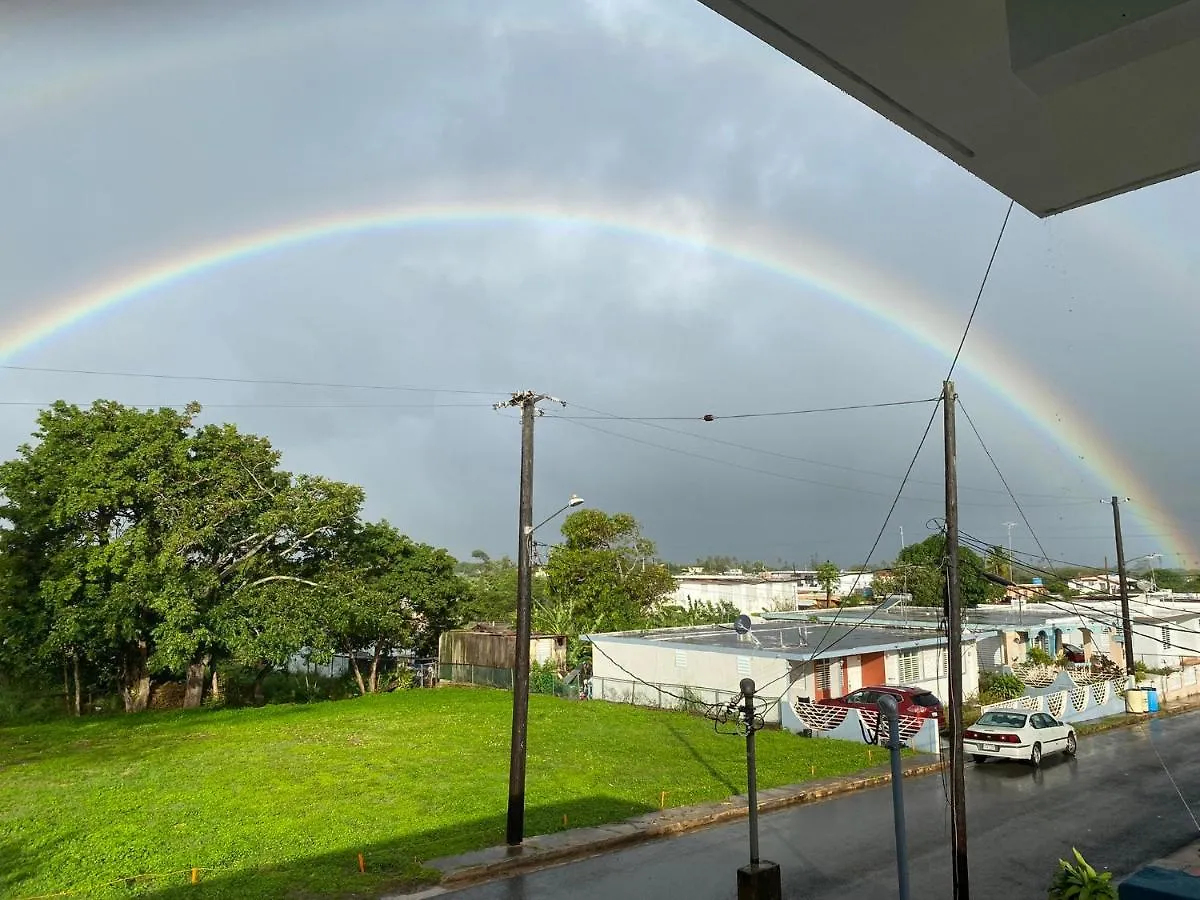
(742, 624)
(1144, 586)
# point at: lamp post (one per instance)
(520, 718)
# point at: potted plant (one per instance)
(1079, 881)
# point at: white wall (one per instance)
(934, 670)
(702, 669)
(1148, 643)
(748, 597)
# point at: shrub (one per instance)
(543, 678)
(1039, 657)
(1080, 882)
(996, 687)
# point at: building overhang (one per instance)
(1055, 104)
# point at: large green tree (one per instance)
(919, 570)
(605, 573)
(389, 592)
(137, 538)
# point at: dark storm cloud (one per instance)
(611, 100)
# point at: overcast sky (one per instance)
(135, 133)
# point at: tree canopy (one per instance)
(919, 571)
(138, 544)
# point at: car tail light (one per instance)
(992, 738)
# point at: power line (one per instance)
(747, 468)
(327, 405)
(711, 417)
(928, 427)
(995, 465)
(979, 294)
(602, 415)
(725, 462)
(158, 376)
(823, 647)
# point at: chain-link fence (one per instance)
(464, 673)
(542, 679)
(670, 696)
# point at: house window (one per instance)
(743, 665)
(681, 659)
(821, 670)
(1166, 635)
(910, 665)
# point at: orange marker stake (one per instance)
(195, 876)
(362, 863)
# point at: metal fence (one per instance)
(489, 676)
(464, 673)
(670, 696)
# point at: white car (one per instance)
(1018, 734)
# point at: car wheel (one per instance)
(978, 758)
(1072, 744)
(1035, 755)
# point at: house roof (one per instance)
(1055, 104)
(979, 619)
(793, 641)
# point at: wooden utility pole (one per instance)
(958, 785)
(515, 830)
(1126, 624)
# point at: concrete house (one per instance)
(790, 659)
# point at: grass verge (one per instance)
(280, 801)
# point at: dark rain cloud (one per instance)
(191, 128)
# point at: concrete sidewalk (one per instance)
(1176, 875)
(580, 843)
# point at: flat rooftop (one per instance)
(791, 640)
(981, 617)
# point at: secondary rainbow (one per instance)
(808, 261)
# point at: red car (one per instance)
(911, 701)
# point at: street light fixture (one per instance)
(520, 718)
(574, 501)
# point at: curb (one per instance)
(1128, 720)
(580, 843)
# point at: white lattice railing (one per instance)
(823, 717)
(1027, 703)
(1044, 676)
(909, 725)
(1034, 675)
(820, 717)
(1079, 698)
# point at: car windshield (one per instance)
(1002, 720)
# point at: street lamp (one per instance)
(574, 501)
(515, 832)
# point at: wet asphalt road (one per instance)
(1114, 802)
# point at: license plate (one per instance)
(992, 747)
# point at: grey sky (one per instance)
(139, 132)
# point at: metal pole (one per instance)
(515, 832)
(887, 706)
(747, 686)
(1126, 623)
(958, 784)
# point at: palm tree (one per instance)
(828, 576)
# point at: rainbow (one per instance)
(810, 262)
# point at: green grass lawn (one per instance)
(279, 801)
